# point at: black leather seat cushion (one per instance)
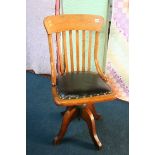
(83, 84)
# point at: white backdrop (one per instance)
(37, 52)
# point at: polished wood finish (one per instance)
(77, 51)
(71, 51)
(52, 60)
(89, 50)
(89, 118)
(68, 116)
(83, 50)
(58, 55)
(90, 23)
(91, 108)
(99, 70)
(80, 101)
(73, 22)
(94, 112)
(65, 51)
(63, 23)
(60, 62)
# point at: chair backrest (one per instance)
(62, 24)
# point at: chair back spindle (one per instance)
(59, 53)
(83, 50)
(77, 51)
(71, 51)
(65, 51)
(89, 50)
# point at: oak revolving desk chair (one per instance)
(75, 86)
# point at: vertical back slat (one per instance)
(83, 50)
(77, 50)
(96, 47)
(89, 50)
(59, 53)
(65, 50)
(57, 56)
(71, 51)
(52, 60)
(98, 68)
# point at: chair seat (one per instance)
(81, 84)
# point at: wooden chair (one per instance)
(77, 88)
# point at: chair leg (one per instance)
(93, 110)
(89, 118)
(67, 118)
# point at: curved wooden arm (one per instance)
(98, 68)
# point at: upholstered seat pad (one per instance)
(82, 84)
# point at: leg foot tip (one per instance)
(99, 146)
(56, 141)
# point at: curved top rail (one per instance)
(67, 22)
